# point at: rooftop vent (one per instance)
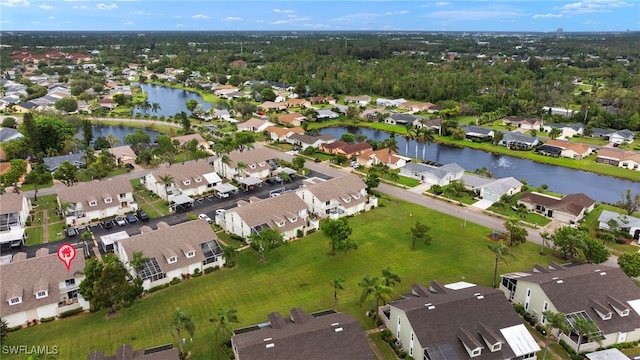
(270, 345)
(335, 324)
(338, 329)
(267, 339)
(429, 306)
(603, 273)
(559, 281)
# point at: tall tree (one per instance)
(584, 328)
(554, 321)
(555, 133)
(181, 321)
(223, 320)
(87, 132)
(630, 203)
(420, 232)
(67, 172)
(38, 176)
(501, 253)
(338, 284)
(569, 241)
(367, 284)
(230, 255)
(266, 241)
(517, 233)
(4, 330)
(629, 262)
(137, 138)
(339, 232)
(595, 251)
(137, 261)
(389, 277)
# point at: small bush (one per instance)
(196, 273)
(15, 328)
(309, 232)
(47, 319)
(541, 329)
(209, 270)
(174, 281)
(385, 335)
(70, 313)
(156, 288)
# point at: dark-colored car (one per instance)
(142, 215)
(71, 232)
(274, 180)
(108, 224)
(131, 218)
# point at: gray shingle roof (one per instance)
(268, 211)
(519, 137)
(11, 203)
(439, 172)
(55, 161)
(97, 191)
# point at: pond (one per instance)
(119, 131)
(559, 179)
(171, 101)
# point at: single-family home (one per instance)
(183, 140)
(8, 134)
(282, 133)
(254, 125)
(602, 295)
(40, 287)
(515, 140)
(271, 105)
(362, 100)
(492, 189)
(568, 209)
(52, 162)
(403, 119)
(620, 158)
(614, 136)
(346, 149)
(87, 201)
(628, 223)
(124, 154)
(384, 156)
(524, 123)
(458, 321)
(286, 212)
(336, 197)
(179, 182)
(322, 100)
(415, 106)
(426, 123)
(390, 102)
(14, 213)
(566, 130)
(297, 103)
(566, 148)
(431, 174)
(223, 114)
(291, 119)
(126, 352)
(238, 63)
(477, 132)
(305, 141)
(375, 114)
(326, 114)
(220, 90)
(171, 251)
(255, 163)
(324, 335)
(25, 107)
(107, 103)
(558, 111)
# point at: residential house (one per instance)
(351, 151)
(403, 119)
(88, 201)
(523, 123)
(375, 114)
(628, 223)
(78, 159)
(25, 107)
(256, 163)
(336, 197)
(515, 140)
(40, 287)
(558, 111)
(322, 100)
(384, 156)
(362, 100)
(291, 119)
(324, 335)
(433, 124)
(492, 189)
(305, 141)
(327, 114)
(126, 352)
(124, 154)
(569, 209)
(287, 213)
(107, 103)
(620, 158)
(486, 326)
(390, 102)
(6, 135)
(223, 114)
(234, 95)
(566, 130)
(238, 63)
(614, 136)
(281, 134)
(220, 90)
(268, 105)
(184, 139)
(567, 149)
(297, 103)
(477, 132)
(601, 294)
(431, 174)
(14, 213)
(416, 106)
(172, 251)
(179, 182)
(254, 125)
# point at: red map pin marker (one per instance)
(66, 254)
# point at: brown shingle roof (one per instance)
(85, 192)
(267, 210)
(11, 203)
(340, 188)
(564, 144)
(619, 154)
(574, 203)
(187, 171)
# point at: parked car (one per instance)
(131, 218)
(120, 221)
(221, 195)
(205, 217)
(274, 180)
(71, 232)
(142, 215)
(108, 224)
(220, 212)
(354, 164)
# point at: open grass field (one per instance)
(297, 275)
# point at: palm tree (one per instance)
(113, 140)
(390, 278)
(554, 321)
(555, 133)
(167, 180)
(367, 284)
(181, 321)
(241, 166)
(381, 292)
(230, 254)
(408, 136)
(223, 319)
(425, 137)
(338, 284)
(584, 327)
(501, 252)
(226, 160)
(392, 146)
(137, 261)
(155, 107)
(545, 238)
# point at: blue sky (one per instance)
(452, 15)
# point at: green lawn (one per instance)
(29, 187)
(297, 275)
(34, 235)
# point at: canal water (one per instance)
(172, 101)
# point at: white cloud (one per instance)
(593, 6)
(316, 26)
(548, 16)
(283, 11)
(127, 22)
(279, 22)
(232, 18)
(180, 25)
(177, 16)
(200, 16)
(103, 6)
(443, 3)
(473, 15)
(14, 3)
(356, 16)
(52, 17)
(397, 12)
(83, 7)
(45, 7)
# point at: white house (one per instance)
(181, 180)
(566, 130)
(492, 189)
(254, 125)
(40, 287)
(336, 197)
(172, 251)
(435, 175)
(568, 209)
(14, 213)
(94, 200)
(601, 294)
(256, 163)
(305, 141)
(389, 158)
(627, 223)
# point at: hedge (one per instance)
(71, 313)
(47, 319)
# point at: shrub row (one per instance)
(71, 313)
(47, 319)
(159, 287)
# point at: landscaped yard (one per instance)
(297, 275)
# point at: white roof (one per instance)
(608, 354)
(250, 181)
(11, 235)
(520, 340)
(212, 178)
(224, 188)
(635, 305)
(111, 238)
(459, 285)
